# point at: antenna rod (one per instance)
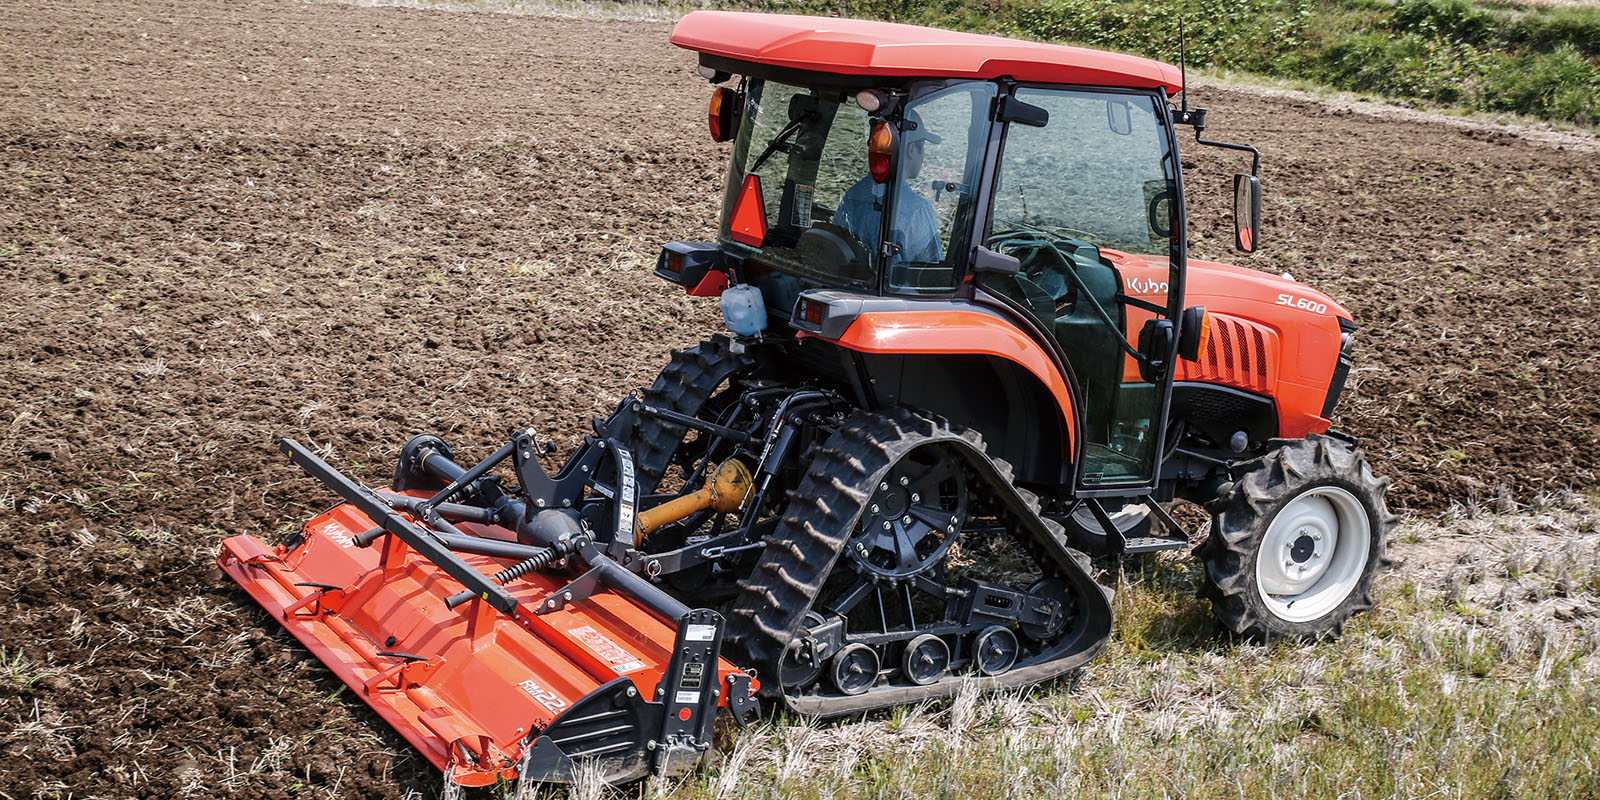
(1183, 65)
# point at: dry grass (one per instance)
(1476, 677)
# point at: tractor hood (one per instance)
(1272, 336)
(1228, 289)
(1244, 291)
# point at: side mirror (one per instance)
(1246, 212)
(1021, 112)
(986, 260)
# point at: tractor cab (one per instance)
(1035, 183)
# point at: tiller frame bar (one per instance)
(539, 674)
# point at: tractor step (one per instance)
(1153, 544)
(488, 694)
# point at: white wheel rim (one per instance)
(1313, 555)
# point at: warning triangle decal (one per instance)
(748, 223)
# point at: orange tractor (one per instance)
(967, 344)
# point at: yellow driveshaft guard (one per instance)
(725, 492)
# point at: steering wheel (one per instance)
(1031, 240)
(832, 245)
(1017, 228)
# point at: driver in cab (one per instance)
(915, 228)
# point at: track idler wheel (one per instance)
(800, 668)
(1056, 590)
(995, 650)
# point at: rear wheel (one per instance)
(686, 385)
(1296, 542)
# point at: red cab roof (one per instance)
(867, 47)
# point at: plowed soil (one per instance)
(226, 222)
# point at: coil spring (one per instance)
(536, 561)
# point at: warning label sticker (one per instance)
(621, 661)
(700, 633)
(802, 205)
(625, 496)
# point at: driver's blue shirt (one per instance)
(915, 228)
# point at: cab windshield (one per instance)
(807, 146)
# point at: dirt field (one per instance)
(222, 223)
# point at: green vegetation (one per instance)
(1535, 61)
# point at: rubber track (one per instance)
(684, 385)
(1241, 517)
(823, 512)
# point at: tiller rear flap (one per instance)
(495, 636)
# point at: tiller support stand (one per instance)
(463, 636)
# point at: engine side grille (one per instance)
(1239, 354)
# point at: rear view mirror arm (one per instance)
(1255, 155)
(1196, 118)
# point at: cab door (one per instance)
(1088, 203)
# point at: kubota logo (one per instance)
(1145, 286)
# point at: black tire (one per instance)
(690, 378)
(1298, 474)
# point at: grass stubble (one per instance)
(1475, 677)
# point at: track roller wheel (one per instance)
(995, 650)
(854, 669)
(925, 660)
(1296, 542)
